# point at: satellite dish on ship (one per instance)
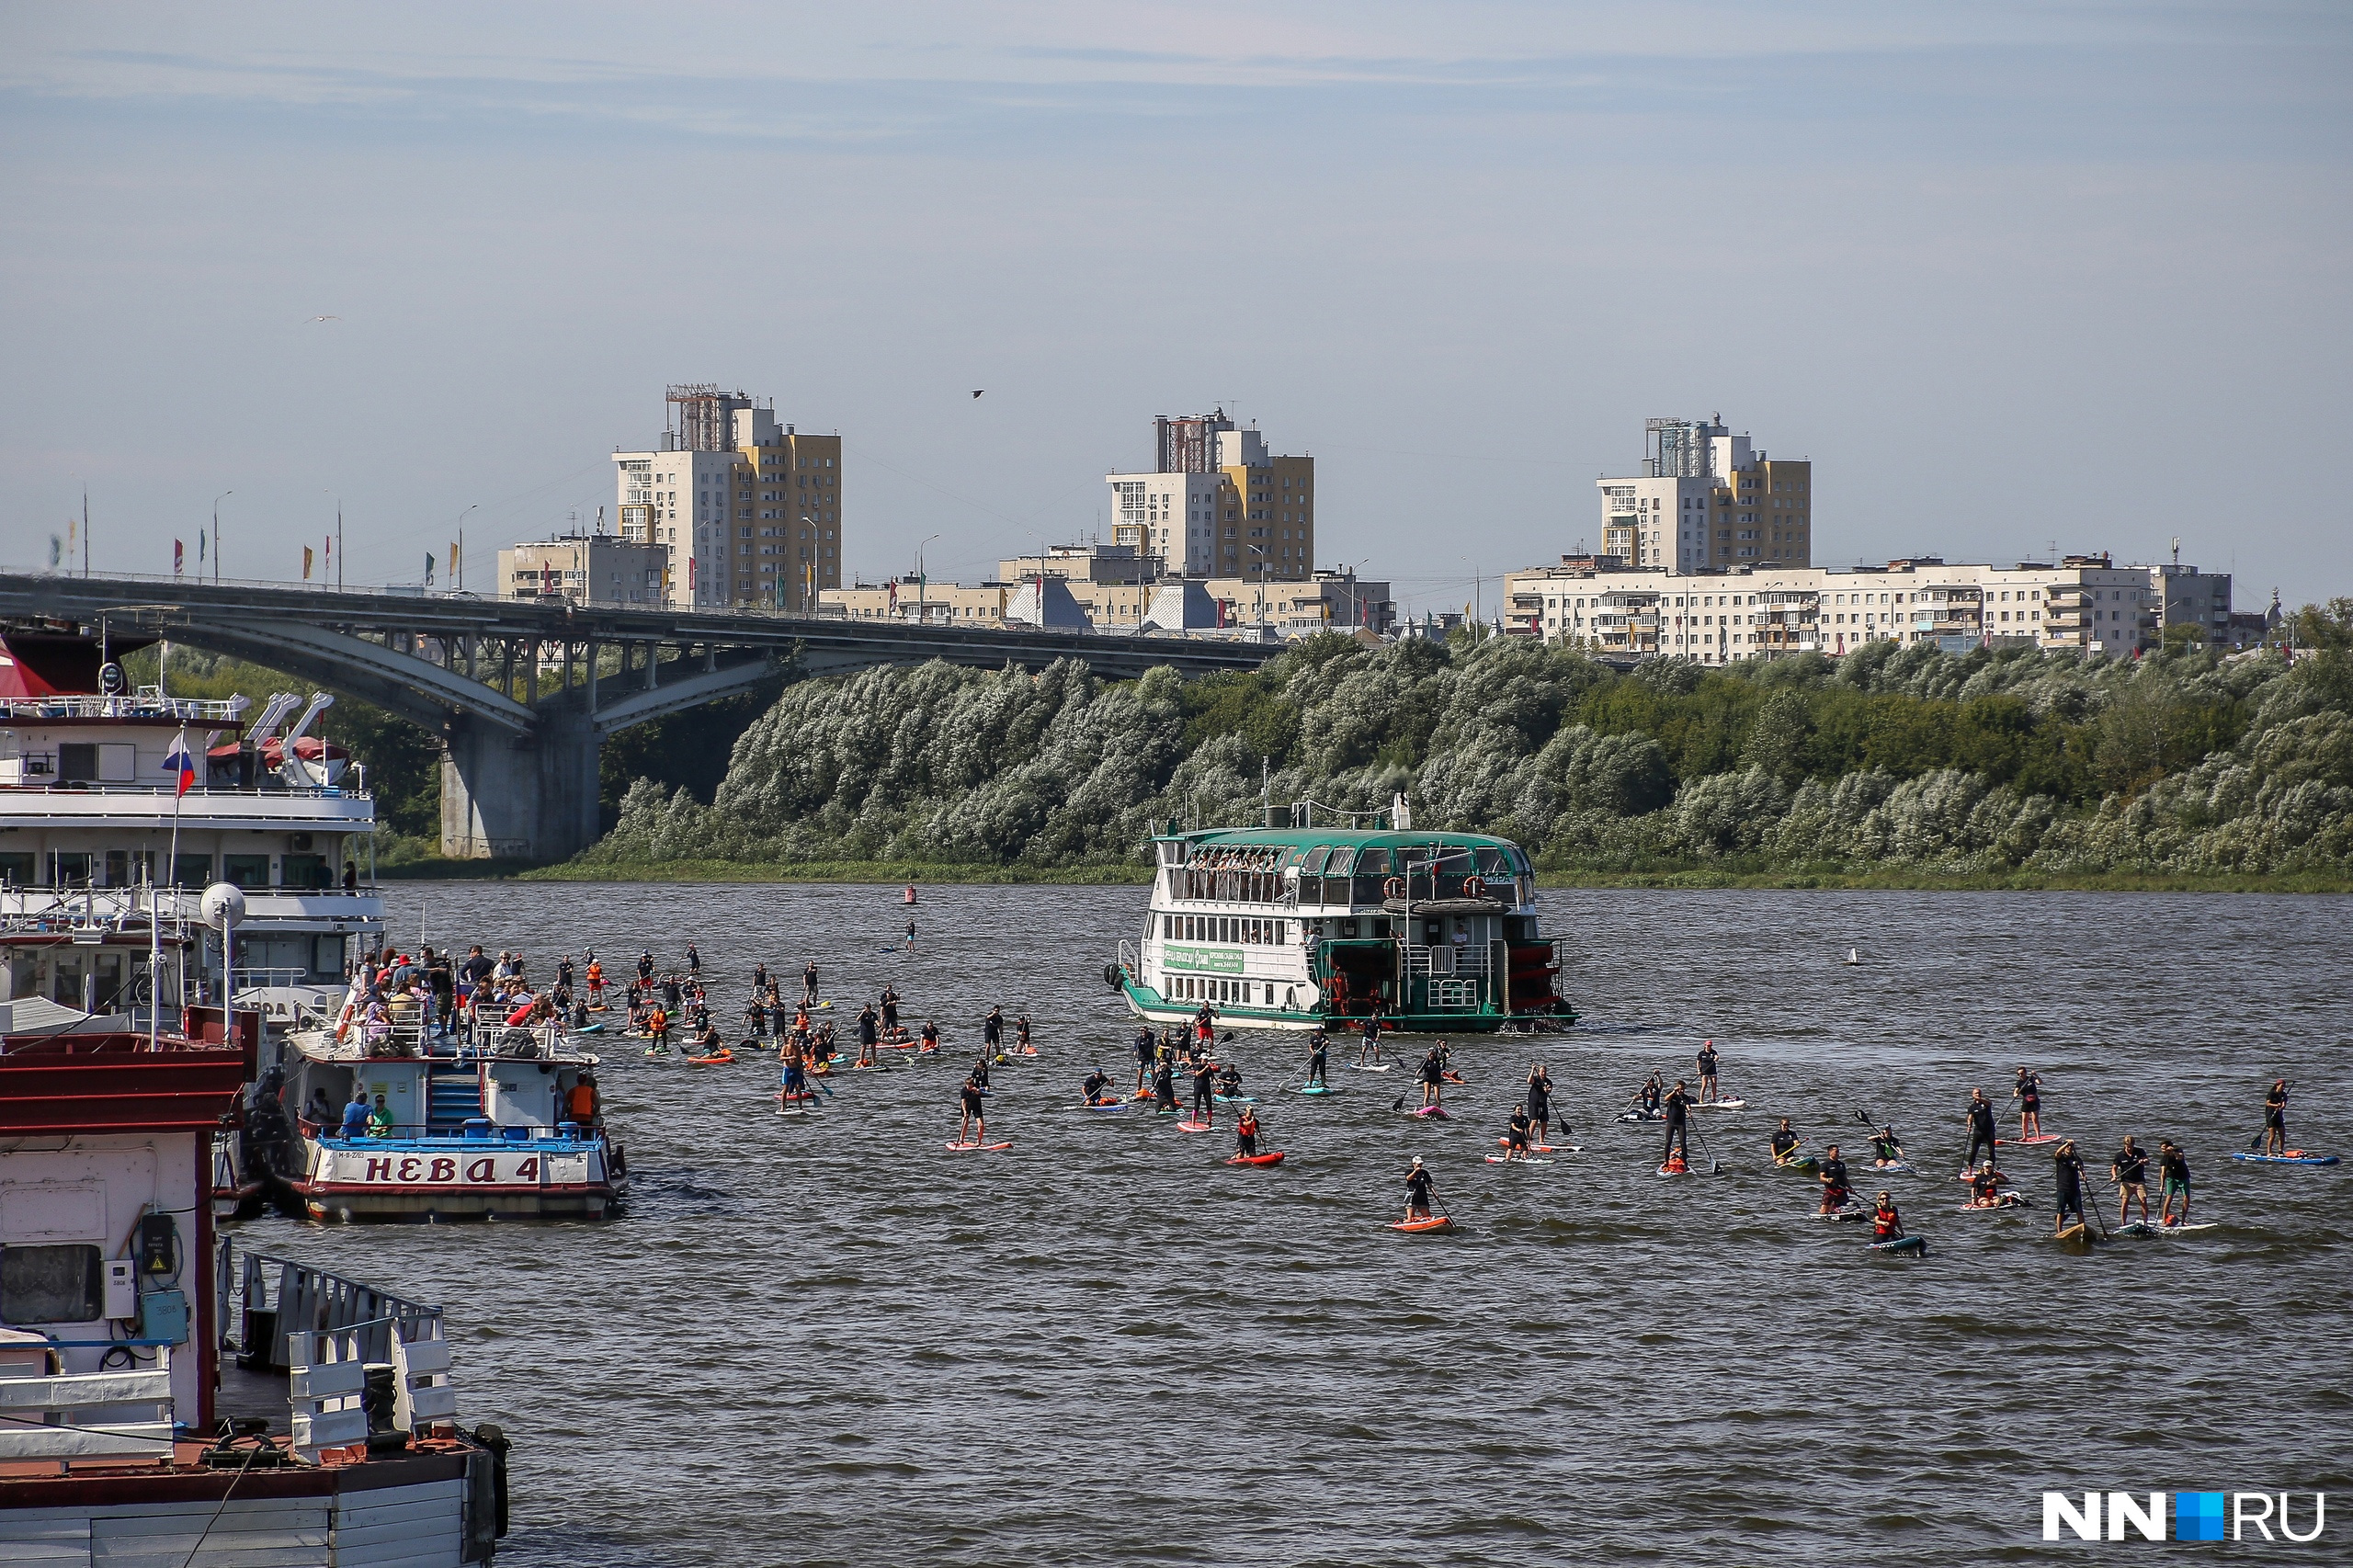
(223, 906)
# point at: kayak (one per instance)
(1422, 1227)
(1523, 1160)
(1902, 1243)
(1432, 1113)
(978, 1148)
(1189, 1126)
(2292, 1157)
(1272, 1158)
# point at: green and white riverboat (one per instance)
(1294, 927)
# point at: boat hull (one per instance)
(1149, 1004)
(458, 1179)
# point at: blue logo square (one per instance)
(2198, 1515)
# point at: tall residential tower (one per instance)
(1219, 505)
(1706, 500)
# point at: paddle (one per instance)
(1713, 1168)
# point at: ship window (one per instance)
(1491, 862)
(191, 871)
(246, 870)
(1313, 863)
(51, 1284)
(16, 867)
(1342, 858)
(1348, 929)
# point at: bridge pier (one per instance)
(506, 797)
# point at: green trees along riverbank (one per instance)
(1990, 767)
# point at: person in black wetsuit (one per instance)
(1229, 1081)
(1834, 1192)
(1417, 1192)
(890, 1003)
(808, 982)
(928, 1036)
(1678, 1106)
(1205, 1091)
(2275, 1119)
(1885, 1150)
(1540, 1097)
(1369, 1054)
(1097, 1083)
(869, 1035)
(974, 1113)
(1785, 1142)
(1981, 1130)
(1515, 1134)
(1021, 1035)
(992, 1030)
(2029, 1095)
(981, 1070)
(694, 960)
(1708, 1070)
(1147, 1049)
(1164, 1083)
(1649, 1100)
(1319, 1047)
(2129, 1171)
(1433, 1079)
(2173, 1179)
(2068, 1166)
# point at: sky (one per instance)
(2013, 276)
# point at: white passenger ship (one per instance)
(1299, 928)
(103, 861)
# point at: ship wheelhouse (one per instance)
(1298, 928)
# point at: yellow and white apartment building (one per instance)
(752, 517)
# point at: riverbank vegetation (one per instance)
(2010, 768)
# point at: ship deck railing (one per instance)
(273, 790)
(149, 703)
(67, 1416)
(270, 1300)
(476, 1135)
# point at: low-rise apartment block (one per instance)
(2085, 603)
(587, 569)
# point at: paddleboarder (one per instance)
(1885, 1150)
(1245, 1132)
(1785, 1142)
(1205, 1091)
(1887, 1221)
(1146, 1050)
(2173, 1181)
(2275, 1119)
(1319, 1051)
(1164, 1083)
(1097, 1083)
(992, 1030)
(1985, 1186)
(1369, 1053)
(1981, 1131)
(1649, 1100)
(2068, 1166)
(1678, 1106)
(2029, 1095)
(1707, 1071)
(1515, 1134)
(1834, 1190)
(971, 1097)
(1433, 1079)
(809, 983)
(2129, 1171)
(1417, 1192)
(1540, 1097)
(869, 1035)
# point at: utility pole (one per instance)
(216, 532)
(86, 536)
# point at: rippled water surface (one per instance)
(830, 1341)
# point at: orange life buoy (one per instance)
(1473, 887)
(1394, 888)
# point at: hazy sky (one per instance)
(2010, 275)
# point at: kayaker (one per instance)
(1433, 1079)
(1985, 1186)
(2129, 1171)
(1887, 1221)
(1096, 1083)
(1707, 1069)
(1785, 1142)
(2029, 1095)
(1515, 1134)
(2275, 1119)
(1834, 1190)
(971, 1097)
(1417, 1192)
(2068, 1166)
(1885, 1150)
(1678, 1107)
(1319, 1051)
(1245, 1132)
(1981, 1130)
(1540, 1097)
(2173, 1181)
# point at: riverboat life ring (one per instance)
(1394, 888)
(1473, 887)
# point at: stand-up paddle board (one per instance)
(1545, 1148)
(1318, 1089)
(978, 1148)
(1803, 1165)
(1432, 1113)
(1272, 1158)
(1638, 1116)
(1422, 1227)
(1722, 1105)
(1675, 1170)
(1371, 1066)
(2040, 1138)
(1191, 1126)
(1523, 1160)
(1106, 1105)
(1852, 1211)
(1899, 1168)
(1914, 1244)
(2007, 1200)
(2292, 1157)
(2077, 1235)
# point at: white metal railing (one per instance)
(148, 704)
(326, 1383)
(80, 1415)
(421, 1388)
(215, 792)
(276, 1300)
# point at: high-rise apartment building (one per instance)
(751, 510)
(1707, 500)
(1219, 504)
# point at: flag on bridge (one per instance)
(179, 557)
(306, 563)
(181, 762)
(429, 568)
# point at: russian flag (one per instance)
(179, 760)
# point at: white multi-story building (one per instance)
(1706, 500)
(750, 511)
(1219, 505)
(2084, 602)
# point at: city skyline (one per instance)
(2021, 279)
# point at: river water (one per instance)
(829, 1341)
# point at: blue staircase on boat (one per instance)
(453, 1098)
